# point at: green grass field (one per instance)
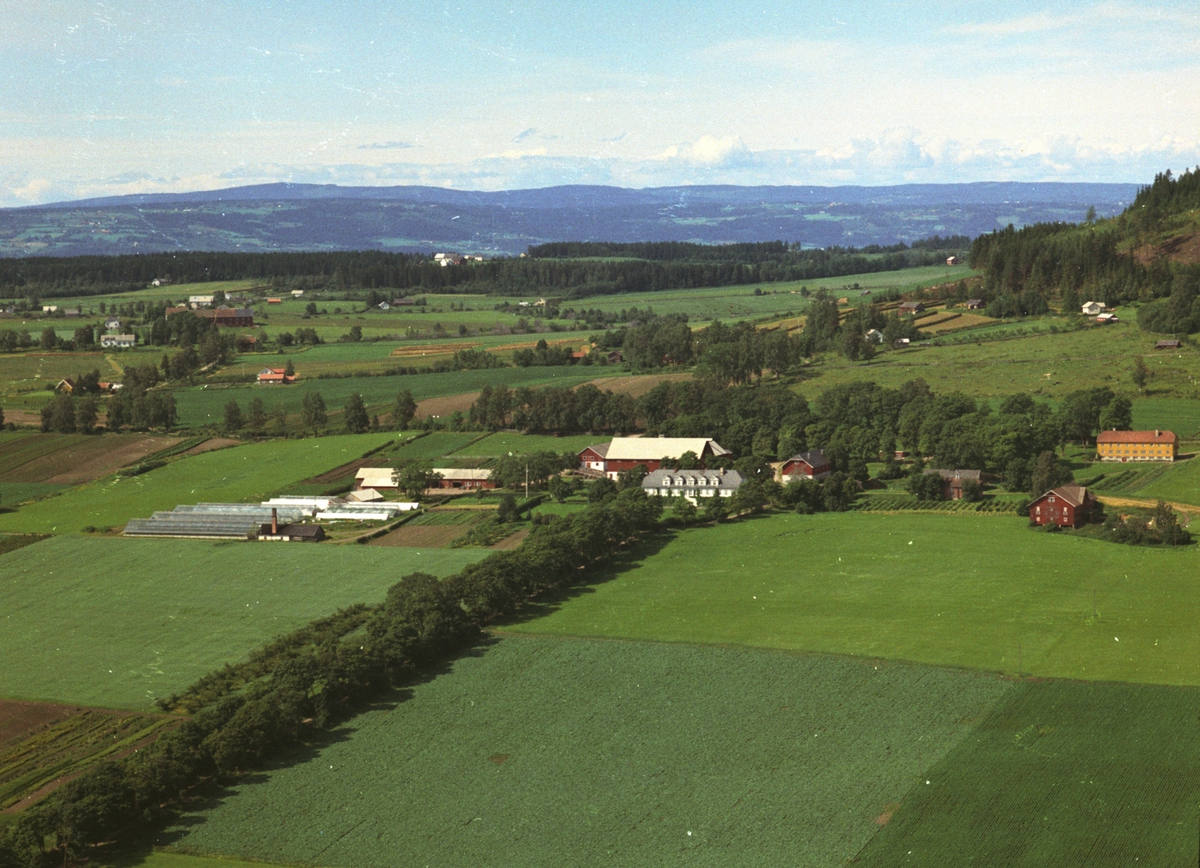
(1046, 365)
(1059, 774)
(117, 623)
(982, 592)
(244, 473)
(519, 444)
(548, 752)
(206, 406)
(731, 303)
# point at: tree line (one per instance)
(664, 267)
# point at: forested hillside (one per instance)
(1148, 253)
(591, 270)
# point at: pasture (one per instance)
(118, 623)
(544, 752)
(1044, 365)
(503, 443)
(198, 405)
(1059, 773)
(248, 473)
(977, 591)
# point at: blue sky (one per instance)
(102, 98)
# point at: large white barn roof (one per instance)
(654, 448)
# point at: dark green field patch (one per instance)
(547, 752)
(1059, 773)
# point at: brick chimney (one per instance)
(274, 522)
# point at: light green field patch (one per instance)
(247, 473)
(554, 753)
(1059, 773)
(979, 592)
(524, 444)
(200, 406)
(118, 623)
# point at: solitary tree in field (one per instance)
(256, 418)
(355, 413)
(403, 410)
(233, 417)
(289, 369)
(1140, 373)
(312, 411)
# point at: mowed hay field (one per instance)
(983, 592)
(243, 473)
(117, 623)
(546, 752)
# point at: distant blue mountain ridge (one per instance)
(293, 217)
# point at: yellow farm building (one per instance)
(1137, 446)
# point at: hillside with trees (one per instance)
(1150, 253)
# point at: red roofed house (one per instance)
(1065, 506)
(276, 375)
(626, 453)
(1137, 446)
(806, 465)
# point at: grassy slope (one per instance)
(502, 443)
(1059, 774)
(979, 592)
(1083, 359)
(243, 473)
(200, 406)
(117, 623)
(552, 753)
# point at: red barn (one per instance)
(1065, 506)
(806, 465)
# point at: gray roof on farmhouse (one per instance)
(664, 478)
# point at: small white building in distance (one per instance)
(1092, 308)
(118, 342)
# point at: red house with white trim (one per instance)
(806, 465)
(1065, 506)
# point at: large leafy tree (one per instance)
(312, 411)
(355, 414)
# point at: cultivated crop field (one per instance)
(69, 459)
(243, 473)
(41, 744)
(1059, 773)
(118, 623)
(983, 592)
(206, 406)
(550, 752)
